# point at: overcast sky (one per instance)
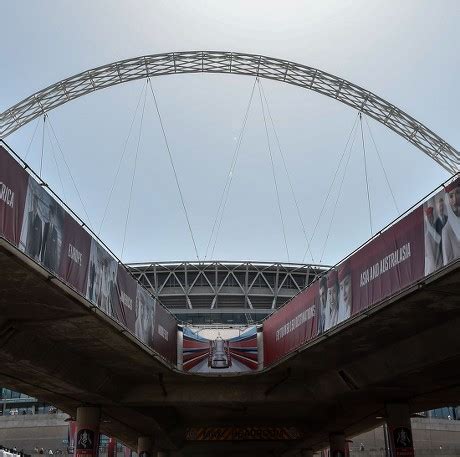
(406, 52)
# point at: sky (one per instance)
(405, 52)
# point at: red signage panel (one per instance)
(165, 334)
(13, 190)
(389, 263)
(291, 326)
(76, 247)
(125, 302)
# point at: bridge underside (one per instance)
(57, 347)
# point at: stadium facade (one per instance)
(224, 293)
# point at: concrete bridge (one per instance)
(58, 347)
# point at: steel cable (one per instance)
(287, 174)
(338, 197)
(57, 166)
(174, 169)
(144, 88)
(70, 172)
(43, 146)
(274, 173)
(383, 167)
(226, 190)
(332, 184)
(133, 177)
(365, 172)
(32, 139)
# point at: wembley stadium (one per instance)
(224, 293)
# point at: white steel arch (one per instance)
(238, 63)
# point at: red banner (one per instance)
(71, 434)
(76, 247)
(384, 266)
(86, 442)
(125, 304)
(401, 441)
(165, 334)
(13, 189)
(291, 326)
(112, 447)
(387, 264)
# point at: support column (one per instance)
(338, 445)
(399, 430)
(87, 437)
(72, 436)
(112, 447)
(127, 451)
(145, 446)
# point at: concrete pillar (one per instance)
(338, 445)
(399, 430)
(127, 451)
(145, 446)
(87, 436)
(72, 436)
(112, 447)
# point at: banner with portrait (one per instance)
(145, 314)
(101, 286)
(42, 230)
(442, 227)
(419, 244)
(33, 220)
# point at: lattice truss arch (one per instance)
(238, 63)
(247, 279)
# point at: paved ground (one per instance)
(203, 368)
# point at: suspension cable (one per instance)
(381, 164)
(144, 88)
(299, 214)
(32, 139)
(365, 172)
(134, 175)
(338, 196)
(57, 166)
(226, 189)
(43, 145)
(70, 172)
(332, 183)
(273, 172)
(174, 169)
